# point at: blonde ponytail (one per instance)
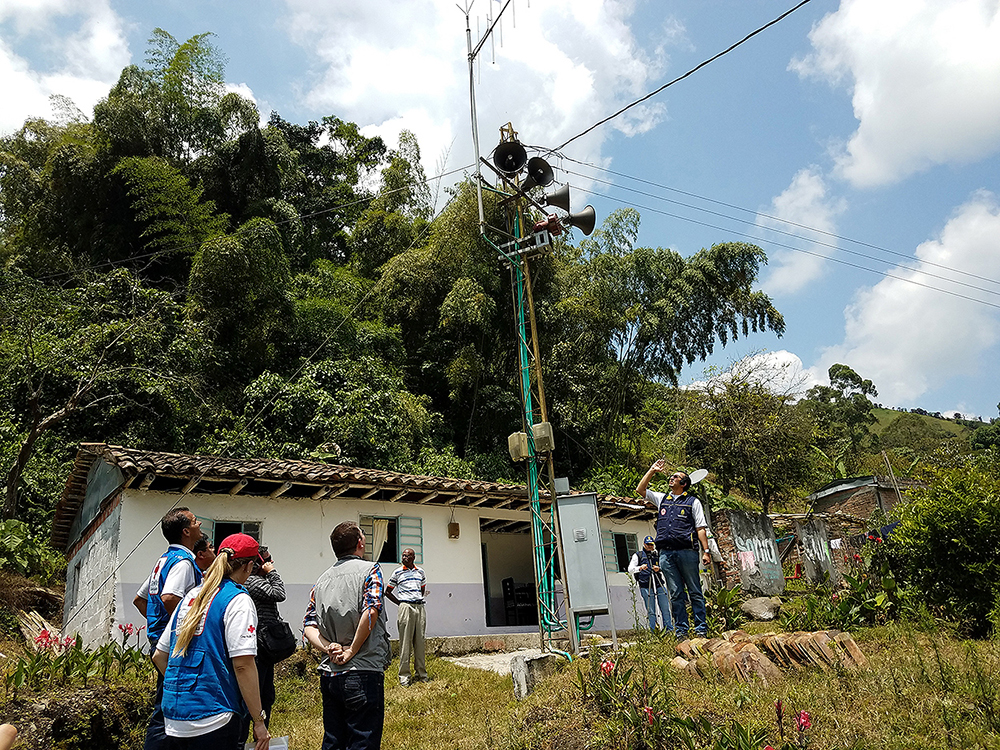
(223, 567)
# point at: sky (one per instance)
(856, 142)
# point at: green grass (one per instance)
(886, 417)
(920, 690)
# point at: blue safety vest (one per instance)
(157, 616)
(642, 576)
(202, 682)
(675, 523)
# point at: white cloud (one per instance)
(781, 371)
(925, 79)
(559, 67)
(804, 202)
(909, 339)
(81, 66)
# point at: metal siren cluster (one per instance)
(511, 160)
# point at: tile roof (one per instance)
(270, 477)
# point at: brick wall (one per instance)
(88, 610)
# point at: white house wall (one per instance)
(297, 533)
(90, 609)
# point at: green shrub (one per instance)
(947, 544)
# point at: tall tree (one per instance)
(742, 425)
(843, 413)
(635, 314)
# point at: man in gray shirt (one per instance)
(345, 620)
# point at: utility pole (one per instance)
(516, 243)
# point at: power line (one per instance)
(680, 78)
(771, 217)
(885, 274)
(792, 234)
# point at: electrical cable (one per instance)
(680, 78)
(885, 274)
(758, 213)
(794, 235)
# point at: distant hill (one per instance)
(917, 431)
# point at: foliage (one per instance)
(27, 555)
(947, 544)
(843, 412)
(66, 662)
(724, 611)
(749, 435)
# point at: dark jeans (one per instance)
(265, 679)
(156, 736)
(228, 737)
(353, 710)
(680, 566)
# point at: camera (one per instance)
(265, 555)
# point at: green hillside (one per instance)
(886, 417)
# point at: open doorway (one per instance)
(508, 573)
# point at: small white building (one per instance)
(108, 524)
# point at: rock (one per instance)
(762, 607)
(528, 671)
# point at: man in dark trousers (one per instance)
(680, 526)
(175, 573)
(345, 620)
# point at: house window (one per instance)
(392, 534)
(618, 550)
(219, 530)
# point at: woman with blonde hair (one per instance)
(206, 656)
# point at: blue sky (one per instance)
(874, 121)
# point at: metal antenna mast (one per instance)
(515, 244)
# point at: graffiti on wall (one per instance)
(756, 553)
(814, 547)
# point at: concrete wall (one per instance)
(749, 552)
(297, 534)
(91, 609)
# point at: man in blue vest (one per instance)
(175, 573)
(680, 526)
(645, 567)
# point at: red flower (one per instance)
(768, 747)
(803, 721)
(607, 667)
(649, 714)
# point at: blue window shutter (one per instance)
(411, 534)
(610, 558)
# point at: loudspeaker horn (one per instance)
(583, 220)
(539, 174)
(510, 157)
(559, 199)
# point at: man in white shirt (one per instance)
(175, 573)
(406, 588)
(680, 526)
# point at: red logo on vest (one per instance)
(250, 629)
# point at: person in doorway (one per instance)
(406, 588)
(266, 589)
(680, 533)
(645, 567)
(345, 620)
(206, 657)
(175, 573)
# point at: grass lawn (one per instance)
(920, 691)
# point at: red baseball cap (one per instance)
(242, 545)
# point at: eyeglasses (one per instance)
(678, 476)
